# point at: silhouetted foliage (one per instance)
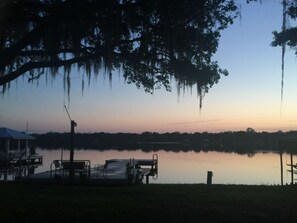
(289, 34)
(239, 142)
(149, 41)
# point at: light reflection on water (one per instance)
(192, 167)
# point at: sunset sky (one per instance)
(249, 97)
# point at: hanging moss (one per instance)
(152, 42)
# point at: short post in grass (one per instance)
(209, 177)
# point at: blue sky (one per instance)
(248, 97)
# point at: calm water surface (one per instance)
(192, 167)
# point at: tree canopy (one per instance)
(150, 41)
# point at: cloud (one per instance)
(195, 122)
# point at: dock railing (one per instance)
(155, 166)
(101, 170)
(109, 169)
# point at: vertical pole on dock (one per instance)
(292, 173)
(73, 125)
(281, 167)
(6, 161)
(71, 170)
(20, 158)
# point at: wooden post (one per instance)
(6, 160)
(72, 126)
(292, 173)
(20, 158)
(209, 177)
(27, 152)
(281, 167)
(71, 170)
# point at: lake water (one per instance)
(191, 167)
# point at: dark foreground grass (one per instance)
(147, 203)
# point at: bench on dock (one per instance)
(79, 166)
(76, 165)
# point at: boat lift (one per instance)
(132, 169)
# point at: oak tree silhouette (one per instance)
(150, 41)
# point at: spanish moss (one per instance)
(151, 41)
(284, 27)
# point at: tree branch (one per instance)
(43, 64)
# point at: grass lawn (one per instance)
(147, 203)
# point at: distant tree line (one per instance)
(247, 141)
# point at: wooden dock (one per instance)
(21, 161)
(12, 167)
(114, 171)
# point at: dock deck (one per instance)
(114, 171)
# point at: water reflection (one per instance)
(192, 167)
